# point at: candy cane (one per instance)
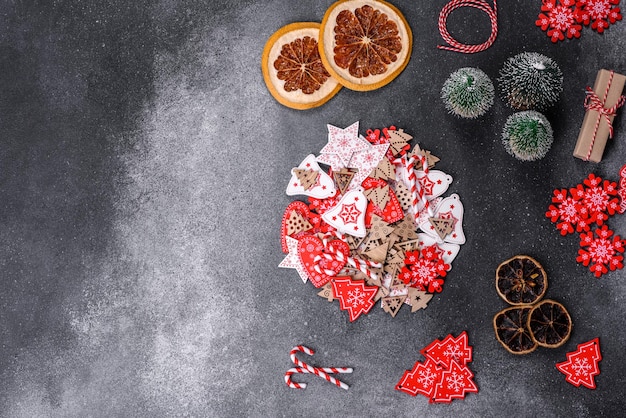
(417, 192)
(423, 198)
(323, 372)
(364, 266)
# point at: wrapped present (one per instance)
(601, 103)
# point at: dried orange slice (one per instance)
(550, 324)
(521, 280)
(511, 327)
(293, 70)
(365, 44)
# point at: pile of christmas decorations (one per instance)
(375, 226)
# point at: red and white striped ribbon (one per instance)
(457, 46)
(593, 102)
(323, 372)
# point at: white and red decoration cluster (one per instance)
(586, 206)
(565, 18)
(445, 374)
(375, 226)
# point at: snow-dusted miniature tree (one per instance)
(468, 93)
(527, 135)
(530, 81)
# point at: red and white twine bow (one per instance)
(593, 102)
(457, 46)
(323, 372)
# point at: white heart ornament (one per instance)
(450, 250)
(324, 186)
(348, 216)
(449, 208)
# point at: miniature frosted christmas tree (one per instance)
(468, 93)
(530, 81)
(527, 135)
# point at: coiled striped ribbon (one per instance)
(457, 46)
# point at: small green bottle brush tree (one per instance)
(530, 81)
(468, 93)
(527, 135)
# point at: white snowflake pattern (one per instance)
(581, 366)
(455, 382)
(602, 250)
(599, 9)
(453, 351)
(427, 378)
(355, 297)
(596, 199)
(569, 210)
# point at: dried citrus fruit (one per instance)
(293, 70)
(511, 327)
(365, 44)
(549, 323)
(521, 280)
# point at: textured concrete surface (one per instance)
(142, 173)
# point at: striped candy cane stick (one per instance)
(417, 192)
(323, 372)
(422, 196)
(363, 266)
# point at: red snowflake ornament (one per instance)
(581, 366)
(599, 198)
(354, 296)
(424, 268)
(568, 213)
(601, 252)
(600, 13)
(559, 19)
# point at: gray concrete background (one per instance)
(142, 173)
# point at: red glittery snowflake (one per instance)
(601, 252)
(600, 13)
(598, 197)
(569, 213)
(559, 19)
(424, 269)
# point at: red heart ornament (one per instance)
(310, 247)
(392, 212)
(302, 209)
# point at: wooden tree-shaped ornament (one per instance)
(307, 178)
(343, 178)
(297, 223)
(398, 141)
